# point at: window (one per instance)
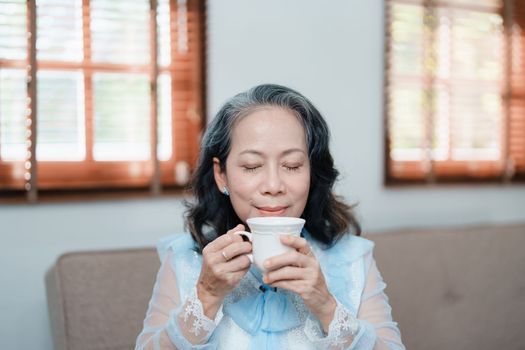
(455, 91)
(98, 94)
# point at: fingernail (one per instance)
(267, 263)
(265, 279)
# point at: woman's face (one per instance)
(267, 169)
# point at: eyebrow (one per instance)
(286, 152)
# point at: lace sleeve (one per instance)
(378, 330)
(341, 331)
(372, 329)
(191, 322)
(170, 325)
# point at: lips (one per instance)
(271, 211)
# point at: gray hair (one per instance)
(218, 134)
(327, 217)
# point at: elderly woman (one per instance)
(266, 154)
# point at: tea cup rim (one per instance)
(275, 220)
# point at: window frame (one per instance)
(428, 172)
(187, 72)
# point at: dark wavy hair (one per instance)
(211, 214)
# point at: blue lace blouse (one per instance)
(254, 316)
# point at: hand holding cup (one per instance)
(224, 264)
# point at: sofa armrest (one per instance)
(55, 308)
(97, 300)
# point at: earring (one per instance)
(225, 191)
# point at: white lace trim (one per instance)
(194, 313)
(341, 331)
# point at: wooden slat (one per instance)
(182, 64)
(31, 185)
(197, 112)
(88, 81)
(387, 78)
(429, 81)
(82, 175)
(449, 4)
(444, 169)
(517, 86)
(174, 104)
(185, 103)
(22, 64)
(155, 182)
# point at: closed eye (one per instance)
(292, 168)
(251, 169)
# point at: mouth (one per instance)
(271, 211)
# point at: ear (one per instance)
(220, 176)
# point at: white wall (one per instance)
(333, 53)
(330, 51)
(33, 236)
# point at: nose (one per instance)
(272, 184)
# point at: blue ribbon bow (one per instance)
(263, 315)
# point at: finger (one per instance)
(296, 242)
(233, 250)
(293, 286)
(293, 258)
(238, 264)
(226, 239)
(287, 273)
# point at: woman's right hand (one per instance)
(224, 264)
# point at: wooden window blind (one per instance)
(516, 93)
(454, 91)
(99, 94)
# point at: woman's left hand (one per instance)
(299, 271)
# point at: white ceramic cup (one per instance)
(265, 236)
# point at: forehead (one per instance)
(268, 130)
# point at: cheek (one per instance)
(242, 185)
(300, 187)
(242, 188)
(241, 195)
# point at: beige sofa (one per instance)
(461, 289)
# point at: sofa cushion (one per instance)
(456, 288)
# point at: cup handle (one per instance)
(249, 236)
